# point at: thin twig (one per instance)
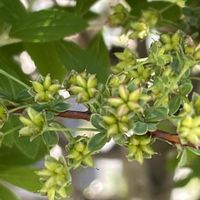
(168, 137)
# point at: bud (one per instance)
(165, 38)
(197, 55)
(38, 87)
(54, 88)
(109, 119)
(92, 81)
(123, 92)
(81, 81)
(47, 82)
(115, 101)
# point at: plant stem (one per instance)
(70, 129)
(12, 130)
(17, 108)
(166, 8)
(14, 79)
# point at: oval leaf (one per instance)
(97, 142)
(140, 128)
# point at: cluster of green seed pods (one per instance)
(139, 147)
(46, 90)
(127, 59)
(78, 153)
(116, 125)
(55, 177)
(34, 124)
(127, 101)
(118, 16)
(83, 85)
(140, 75)
(171, 42)
(189, 124)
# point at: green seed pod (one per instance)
(112, 130)
(165, 38)
(197, 55)
(79, 147)
(139, 156)
(81, 81)
(92, 92)
(88, 161)
(25, 131)
(25, 121)
(47, 82)
(38, 120)
(92, 81)
(135, 95)
(37, 87)
(123, 92)
(176, 38)
(3, 115)
(115, 101)
(54, 88)
(76, 89)
(83, 97)
(109, 120)
(40, 97)
(122, 110)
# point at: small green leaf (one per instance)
(185, 88)
(195, 151)
(6, 194)
(97, 142)
(96, 121)
(183, 159)
(174, 104)
(50, 138)
(61, 106)
(23, 177)
(152, 126)
(156, 114)
(140, 128)
(30, 150)
(166, 126)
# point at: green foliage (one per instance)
(131, 102)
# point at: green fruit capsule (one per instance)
(47, 82)
(25, 131)
(25, 121)
(123, 92)
(92, 81)
(38, 87)
(76, 89)
(40, 97)
(109, 119)
(81, 81)
(197, 55)
(115, 101)
(165, 38)
(80, 147)
(54, 88)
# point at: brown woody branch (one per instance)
(170, 138)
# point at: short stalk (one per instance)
(14, 79)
